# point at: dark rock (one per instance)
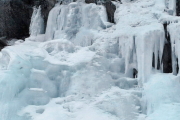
(167, 57)
(110, 9)
(177, 67)
(15, 16)
(135, 73)
(178, 7)
(14, 19)
(91, 1)
(158, 62)
(3, 42)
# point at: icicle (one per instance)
(126, 49)
(32, 20)
(134, 54)
(138, 51)
(149, 42)
(174, 30)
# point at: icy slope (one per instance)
(113, 104)
(86, 68)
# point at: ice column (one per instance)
(37, 23)
(174, 31)
(148, 43)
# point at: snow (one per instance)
(82, 67)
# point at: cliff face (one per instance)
(15, 16)
(14, 19)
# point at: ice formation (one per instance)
(85, 68)
(67, 21)
(37, 22)
(175, 45)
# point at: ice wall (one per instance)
(170, 6)
(66, 21)
(149, 43)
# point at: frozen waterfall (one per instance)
(82, 67)
(37, 22)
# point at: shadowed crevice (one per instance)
(167, 57)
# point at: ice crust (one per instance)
(82, 67)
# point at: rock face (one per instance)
(110, 9)
(15, 16)
(14, 19)
(178, 8)
(90, 1)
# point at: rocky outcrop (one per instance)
(15, 16)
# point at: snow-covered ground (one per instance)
(82, 67)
